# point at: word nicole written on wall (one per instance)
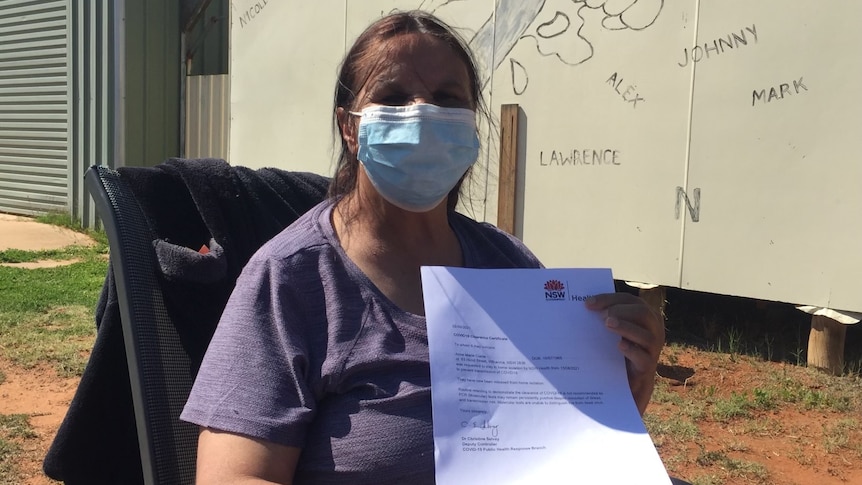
(249, 14)
(719, 46)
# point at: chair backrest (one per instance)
(159, 368)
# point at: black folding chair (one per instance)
(159, 367)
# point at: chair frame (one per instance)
(159, 368)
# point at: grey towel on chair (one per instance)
(179, 263)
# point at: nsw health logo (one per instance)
(555, 290)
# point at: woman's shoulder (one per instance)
(306, 235)
(490, 247)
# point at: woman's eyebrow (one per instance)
(452, 83)
(391, 86)
(385, 85)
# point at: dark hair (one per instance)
(359, 64)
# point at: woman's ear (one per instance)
(347, 127)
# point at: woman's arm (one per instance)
(228, 458)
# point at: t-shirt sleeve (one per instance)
(256, 377)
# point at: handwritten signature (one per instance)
(484, 424)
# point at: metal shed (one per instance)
(84, 83)
(35, 105)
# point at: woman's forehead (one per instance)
(418, 58)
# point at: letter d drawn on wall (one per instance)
(693, 209)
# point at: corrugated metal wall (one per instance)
(152, 82)
(94, 78)
(35, 98)
(207, 116)
(84, 82)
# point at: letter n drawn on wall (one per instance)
(693, 204)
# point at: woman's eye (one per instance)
(446, 100)
(449, 100)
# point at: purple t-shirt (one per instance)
(309, 353)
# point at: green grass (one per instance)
(37, 290)
(836, 436)
(663, 395)
(46, 317)
(676, 428)
(756, 377)
(823, 393)
(71, 252)
(13, 429)
(65, 220)
(9, 450)
(736, 406)
(836, 395)
(46, 314)
(763, 427)
(706, 480)
(733, 466)
(16, 426)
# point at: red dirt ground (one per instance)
(788, 441)
(43, 395)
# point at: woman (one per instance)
(318, 371)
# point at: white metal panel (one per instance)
(34, 106)
(282, 84)
(776, 155)
(711, 192)
(593, 155)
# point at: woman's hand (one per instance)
(642, 338)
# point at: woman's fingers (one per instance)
(631, 318)
(642, 338)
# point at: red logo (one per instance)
(554, 285)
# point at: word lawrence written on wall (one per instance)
(573, 157)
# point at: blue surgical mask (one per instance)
(415, 155)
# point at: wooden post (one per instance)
(656, 299)
(826, 344)
(508, 177)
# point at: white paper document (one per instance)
(527, 385)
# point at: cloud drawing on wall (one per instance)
(553, 26)
(627, 14)
(560, 36)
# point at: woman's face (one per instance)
(409, 69)
(418, 69)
